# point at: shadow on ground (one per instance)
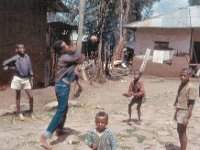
(172, 147)
(67, 132)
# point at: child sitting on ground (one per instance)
(184, 105)
(136, 89)
(101, 138)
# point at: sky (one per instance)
(165, 6)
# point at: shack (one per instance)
(23, 21)
(178, 30)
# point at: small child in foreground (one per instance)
(184, 105)
(101, 138)
(136, 89)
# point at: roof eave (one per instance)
(57, 6)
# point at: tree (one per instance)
(126, 6)
(102, 18)
(80, 27)
(193, 2)
(131, 10)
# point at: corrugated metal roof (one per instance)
(187, 17)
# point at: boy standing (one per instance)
(136, 89)
(23, 79)
(184, 105)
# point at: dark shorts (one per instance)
(136, 100)
(76, 77)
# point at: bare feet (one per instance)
(44, 143)
(138, 122)
(21, 117)
(59, 132)
(32, 116)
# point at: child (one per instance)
(67, 61)
(101, 138)
(184, 105)
(23, 79)
(136, 89)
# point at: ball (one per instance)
(93, 38)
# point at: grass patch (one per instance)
(125, 147)
(131, 133)
(83, 137)
(140, 138)
(122, 136)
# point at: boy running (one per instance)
(184, 105)
(23, 78)
(136, 89)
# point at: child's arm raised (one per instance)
(8, 62)
(74, 58)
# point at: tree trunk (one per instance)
(126, 17)
(121, 21)
(99, 71)
(99, 67)
(80, 35)
(123, 31)
(80, 26)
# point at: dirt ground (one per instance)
(157, 130)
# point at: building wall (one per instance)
(179, 39)
(196, 35)
(23, 21)
(162, 70)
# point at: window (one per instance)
(161, 45)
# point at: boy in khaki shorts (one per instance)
(23, 79)
(184, 105)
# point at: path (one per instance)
(157, 130)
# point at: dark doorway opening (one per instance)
(195, 60)
(196, 54)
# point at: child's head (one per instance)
(61, 47)
(137, 75)
(185, 75)
(101, 121)
(19, 48)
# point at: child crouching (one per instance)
(136, 89)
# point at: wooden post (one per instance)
(191, 39)
(80, 26)
(121, 21)
(47, 58)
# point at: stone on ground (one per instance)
(73, 139)
(50, 106)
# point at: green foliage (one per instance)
(194, 2)
(97, 10)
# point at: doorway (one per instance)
(196, 53)
(195, 60)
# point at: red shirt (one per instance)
(136, 89)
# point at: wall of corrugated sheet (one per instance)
(23, 21)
